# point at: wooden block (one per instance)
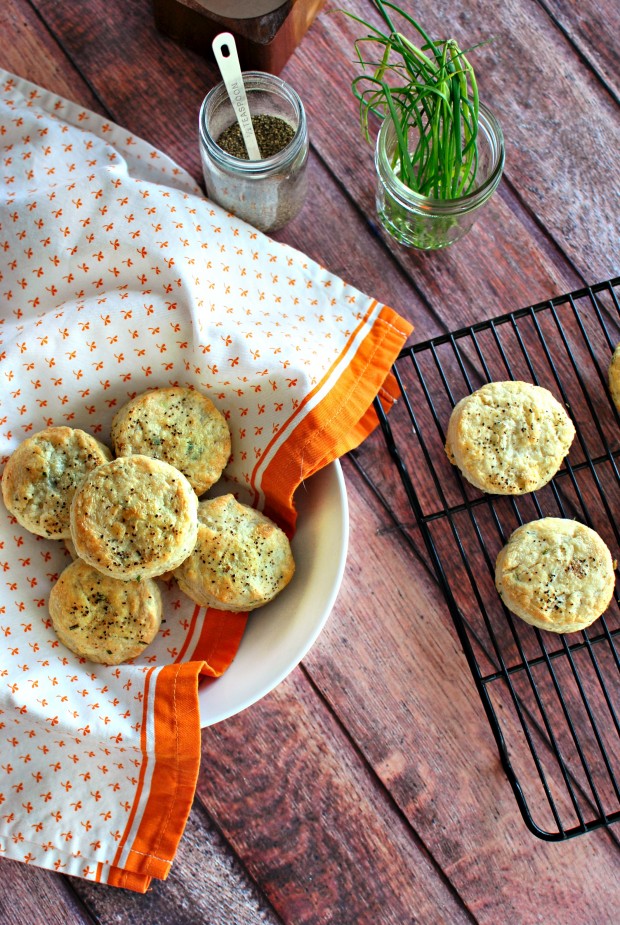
(265, 42)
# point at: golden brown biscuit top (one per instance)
(179, 425)
(41, 476)
(509, 437)
(556, 573)
(241, 559)
(135, 516)
(104, 619)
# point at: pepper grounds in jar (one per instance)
(272, 135)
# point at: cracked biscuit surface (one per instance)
(42, 475)
(556, 574)
(509, 438)
(179, 425)
(241, 560)
(104, 619)
(134, 517)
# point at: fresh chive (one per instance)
(430, 92)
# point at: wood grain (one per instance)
(29, 894)
(28, 50)
(306, 816)
(207, 883)
(367, 788)
(594, 29)
(389, 678)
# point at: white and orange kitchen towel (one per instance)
(116, 275)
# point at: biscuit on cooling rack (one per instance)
(241, 560)
(41, 476)
(104, 619)
(134, 517)
(614, 377)
(556, 574)
(509, 438)
(179, 425)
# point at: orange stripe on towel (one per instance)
(336, 424)
(189, 634)
(307, 398)
(173, 780)
(341, 421)
(117, 876)
(220, 636)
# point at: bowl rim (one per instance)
(322, 506)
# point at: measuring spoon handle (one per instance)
(225, 51)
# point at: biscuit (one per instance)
(135, 517)
(614, 377)
(104, 619)
(556, 574)
(241, 559)
(509, 438)
(181, 426)
(41, 476)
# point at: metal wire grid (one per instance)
(553, 702)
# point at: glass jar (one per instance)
(422, 221)
(267, 193)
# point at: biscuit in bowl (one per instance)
(103, 619)
(42, 475)
(509, 438)
(179, 425)
(556, 574)
(614, 377)
(241, 560)
(134, 517)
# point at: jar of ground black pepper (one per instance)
(268, 192)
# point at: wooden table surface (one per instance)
(367, 787)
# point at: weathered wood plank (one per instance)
(207, 883)
(38, 897)
(305, 814)
(29, 51)
(594, 27)
(390, 665)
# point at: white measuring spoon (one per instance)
(225, 51)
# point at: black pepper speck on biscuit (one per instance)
(42, 475)
(103, 619)
(509, 438)
(556, 574)
(241, 560)
(179, 425)
(134, 517)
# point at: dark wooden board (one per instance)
(304, 811)
(594, 28)
(367, 787)
(29, 894)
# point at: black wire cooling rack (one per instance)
(553, 701)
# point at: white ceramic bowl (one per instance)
(278, 635)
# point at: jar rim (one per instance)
(268, 83)
(489, 123)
